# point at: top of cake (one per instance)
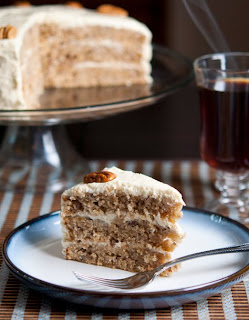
(23, 18)
(135, 184)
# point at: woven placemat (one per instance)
(193, 179)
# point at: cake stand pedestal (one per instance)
(40, 158)
(36, 153)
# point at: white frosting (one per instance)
(65, 16)
(25, 17)
(132, 183)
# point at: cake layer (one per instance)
(88, 76)
(121, 231)
(90, 51)
(157, 210)
(90, 34)
(127, 258)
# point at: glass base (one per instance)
(236, 210)
(233, 201)
(39, 159)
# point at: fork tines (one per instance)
(114, 283)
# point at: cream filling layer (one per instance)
(113, 65)
(109, 217)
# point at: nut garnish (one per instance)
(113, 10)
(8, 32)
(22, 3)
(99, 176)
(74, 4)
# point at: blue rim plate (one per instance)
(33, 254)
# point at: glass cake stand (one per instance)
(36, 152)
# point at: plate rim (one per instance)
(221, 282)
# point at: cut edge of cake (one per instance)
(128, 223)
(55, 47)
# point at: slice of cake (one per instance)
(65, 46)
(120, 219)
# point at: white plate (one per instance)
(33, 252)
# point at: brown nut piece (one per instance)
(22, 3)
(99, 176)
(8, 32)
(113, 10)
(74, 4)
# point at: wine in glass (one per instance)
(223, 84)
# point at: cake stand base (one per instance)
(39, 159)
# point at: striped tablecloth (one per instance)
(195, 182)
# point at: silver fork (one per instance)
(143, 278)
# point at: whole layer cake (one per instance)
(120, 219)
(60, 46)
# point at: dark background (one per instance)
(169, 129)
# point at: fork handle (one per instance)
(238, 248)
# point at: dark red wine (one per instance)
(225, 124)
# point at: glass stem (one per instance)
(233, 187)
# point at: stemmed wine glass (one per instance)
(223, 84)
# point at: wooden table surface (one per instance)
(192, 178)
